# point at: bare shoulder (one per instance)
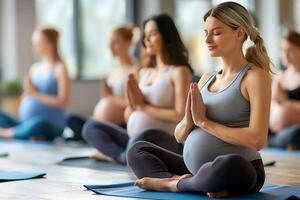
(257, 75)
(204, 78)
(181, 70)
(61, 69)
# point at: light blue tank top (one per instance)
(227, 107)
(30, 107)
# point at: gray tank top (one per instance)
(227, 107)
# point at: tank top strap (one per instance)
(242, 73)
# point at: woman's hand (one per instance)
(198, 110)
(188, 118)
(134, 95)
(280, 95)
(29, 88)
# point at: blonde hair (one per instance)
(129, 33)
(235, 15)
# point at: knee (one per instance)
(88, 130)
(133, 153)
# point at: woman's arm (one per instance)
(105, 90)
(258, 89)
(181, 78)
(63, 84)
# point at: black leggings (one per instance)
(114, 141)
(226, 172)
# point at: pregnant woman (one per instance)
(225, 124)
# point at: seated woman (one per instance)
(285, 106)
(112, 104)
(226, 118)
(46, 94)
(156, 95)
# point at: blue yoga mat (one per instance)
(268, 192)
(86, 162)
(281, 151)
(3, 154)
(14, 176)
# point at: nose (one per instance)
(208, 38)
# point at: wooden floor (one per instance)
(67, 182)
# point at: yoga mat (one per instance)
(14, 176)
(268, 192)
(86, 162)
(280, 151)
(3, 154)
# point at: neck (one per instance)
(49, 59)
(233, 62)
(159, 62)
(125, 61)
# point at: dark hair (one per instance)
(293, 37)
(174, 51)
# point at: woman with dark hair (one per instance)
(46, 94)
(285, 106)
(225, 121)
(156, 95)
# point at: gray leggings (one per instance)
(114, 141)
(227, 172)
(285, 137)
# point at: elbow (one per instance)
(260, 144)
(178, 118)
(63, 103)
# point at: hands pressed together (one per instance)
(195, 111)
(29, 88)
(134, 95)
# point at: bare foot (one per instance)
(158, 184)
(218, 194)
(102, 157)
(185, 176)
(6, 133)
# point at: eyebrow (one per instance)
(213, 28)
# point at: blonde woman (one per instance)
(226, 118)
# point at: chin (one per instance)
(214, 54)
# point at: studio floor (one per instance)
(66, 182)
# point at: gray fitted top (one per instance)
(227, 107)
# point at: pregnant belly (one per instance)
(201, 147)
(139, 121)
(30, 108)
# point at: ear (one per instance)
(240, 33)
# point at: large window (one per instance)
(97, 24)
(59, 14)
(85, 27)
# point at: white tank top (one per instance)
(160, 94)
(117, 82)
